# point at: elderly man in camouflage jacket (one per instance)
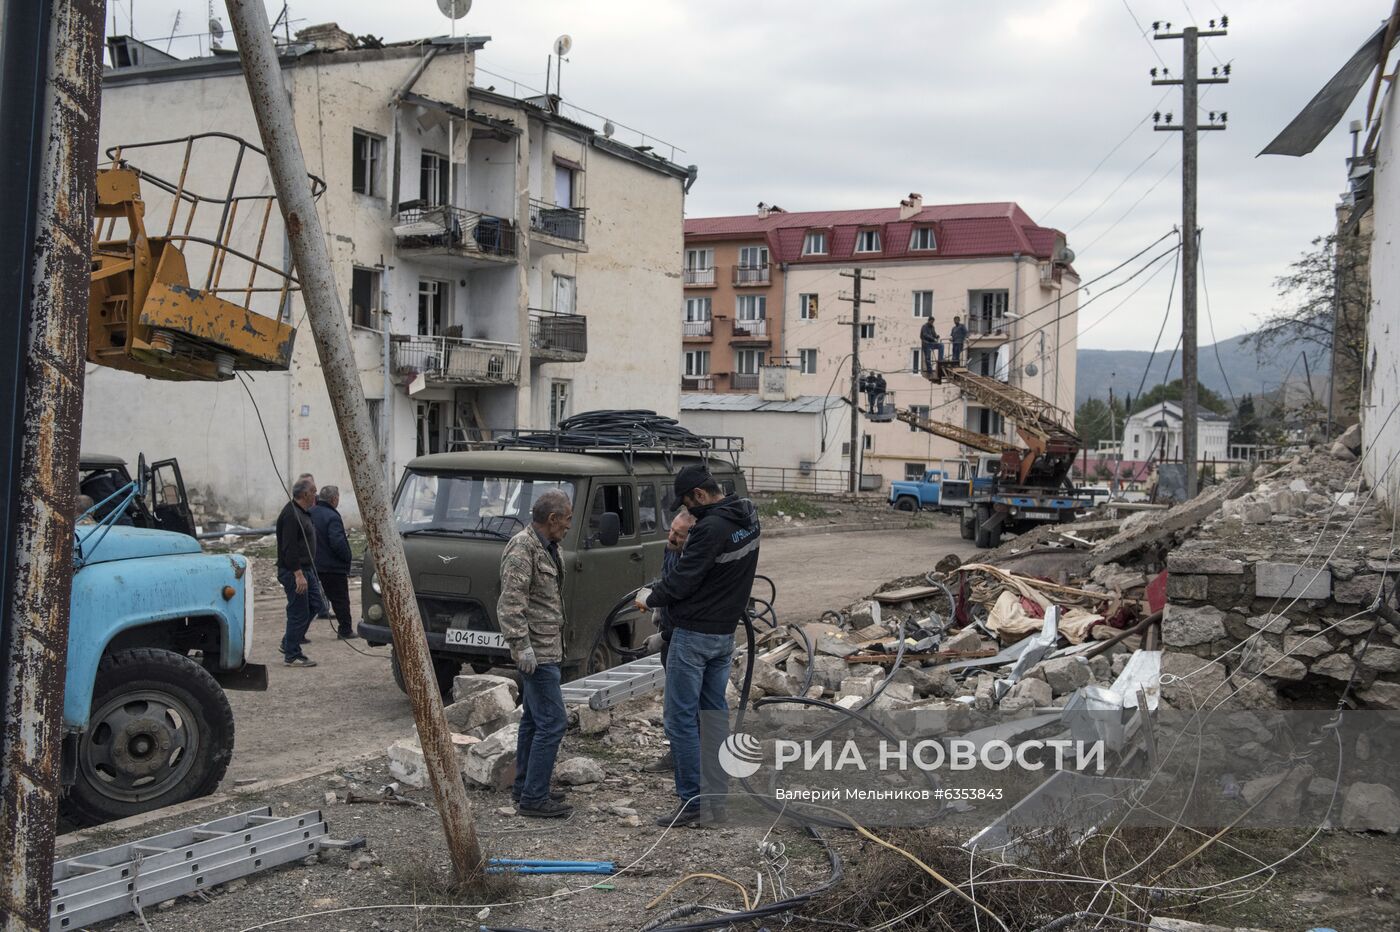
(531, 614)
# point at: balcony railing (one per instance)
(743, 381)
(697, 383)
(455, 228)
(751, 275)
(557, 336)
(699, 277)
(455, 360)
(987, 326)
(559, 222)
(697, 329)
(751, 330)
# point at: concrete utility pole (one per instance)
(52, 86)
(321, 295)
(856, 301)
(1189, 127)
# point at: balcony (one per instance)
(988, 330)
(697, 383)
(558, 229)
(743, 381)
(701, 277)
(698, 330)
(749, 276)
(750, 331)
(455, 361)
(451, 237)
(557, 337)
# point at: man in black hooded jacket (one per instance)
(705, 596)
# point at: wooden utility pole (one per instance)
(856, 301)
(1189, 127)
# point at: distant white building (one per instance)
(1155, 434)
(501, 266)
(789, 443)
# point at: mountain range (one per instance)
(1228, 367)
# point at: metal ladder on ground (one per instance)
(122, 879)
(607, 689)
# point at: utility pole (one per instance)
(856, 301)
(319, 291)
(1189, 127)
(52, 83)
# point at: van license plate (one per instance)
(463, 637)
(1041, 514)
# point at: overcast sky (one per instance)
(841, 105)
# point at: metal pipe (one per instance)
(52, 79)
(1103, 646)
(321, 296)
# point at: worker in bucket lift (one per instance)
(705, 594)
(875, 391)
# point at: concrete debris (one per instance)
(491, 762)
(1371, 807)
(1183, 626)
(965, 640)
(577, 771)
(1062, 674)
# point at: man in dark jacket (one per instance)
(930, 344)
(333, 557)
(705, 596)
(958, 338)
(296, 569)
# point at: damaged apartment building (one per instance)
(496, 260)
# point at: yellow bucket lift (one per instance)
(145, 312)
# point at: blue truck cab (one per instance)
(918, 494)
(157, 630)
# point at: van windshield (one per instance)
(491, 506)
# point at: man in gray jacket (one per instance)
(531, 615)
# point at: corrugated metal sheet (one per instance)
(739, 402)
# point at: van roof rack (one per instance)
(627, 446)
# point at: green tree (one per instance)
(1244, 426)
(1095, 421)
(1171, 391)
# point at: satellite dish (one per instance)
(1064, 255)
(561, 44)
(216, 29)
(1031, 368)
(454, 9)
(608, 129)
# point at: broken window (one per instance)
(364, 297)
(433, 176)
(366, 169)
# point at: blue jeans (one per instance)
(542, 724)
(929, 349)
(696, 713)
(301, 608)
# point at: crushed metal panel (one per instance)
(1329, 105)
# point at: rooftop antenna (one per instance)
(174, 27)
(216, 31)
(454, 10)
(561, 48)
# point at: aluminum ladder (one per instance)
(626, 681)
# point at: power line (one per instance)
(1161, 330)
(1095, 170)
(1142, 31)
(1210, 320)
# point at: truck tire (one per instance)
(981, 537)
(906, 503)
(967, 525)
(444, 670)
(160, 733)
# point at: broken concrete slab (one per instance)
(1342, 452)
(593, 721)
(480, 705)
(1185, 626)
(406, 763)
(1037, 691)
(968, 639)
(1198, 563)
(774, 682)
(491, 762)
(1291, 581)
(1278, 796)
(468, 684)
(1371, 807)
(1188, 586)
(577, 771)
(862, 687)
(1164, 524)
(1063, 674)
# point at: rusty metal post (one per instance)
(52, 80)
(323, 310)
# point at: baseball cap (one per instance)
(691, 478)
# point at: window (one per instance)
(846, 448)
(431, 308)
(807, 361)
(565, 294)
(913, 472)
(563, 186)
(367, 164)
(433, 178)
(868, 241)
(923, 304)
(648, 514)
(752, 307)
(697, 362)
(867, 442)
(920, 412)
(1135, 438)
(814, 244)
(916, 361)
(867, 330)
(921, 238)
(561, 395)
(807, 306)
(753, 257)
(364, 297)
(987, 310)
(699, 258)
(697, 309)
(457, 503)
(616, 499)
(746, 362)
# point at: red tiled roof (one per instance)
(959, 230)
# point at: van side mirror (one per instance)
(609, 530)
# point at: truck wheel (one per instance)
(906, 503)
(967, 525)
(443, 669)
(981, 537)
(160, 732)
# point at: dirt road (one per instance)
(348, 705)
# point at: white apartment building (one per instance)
(1155, 433)
(497, 263)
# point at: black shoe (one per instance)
(549, 809)
(556, 795)
(346, 635)
(663, 764)
(684, 814)
(301, 661)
